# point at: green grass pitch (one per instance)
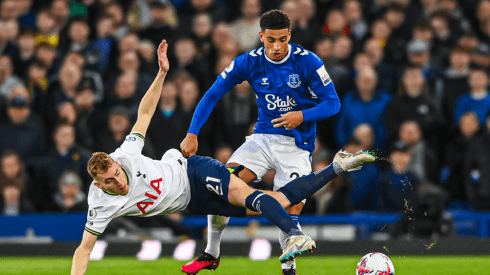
(318, 265)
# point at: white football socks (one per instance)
(216, 225)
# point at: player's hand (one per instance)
(289, 120)
(162, 56)
(189, 145)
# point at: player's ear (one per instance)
(261, 34)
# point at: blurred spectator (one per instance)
(364, 133)
(455, 152)
(477, 100)
(386, 75)
(444, 36)
(125, 94)
(354, 16)
(304, 28)
(65, 154)
(237, 110)
(118, 127)
(69, 197)
(88, 115)
(335, 24)
(213, 8)
(480, 57)
(399, 37)
(37, 84)
(60, 11)
(26, 43)
(423, 158)
(187, 59)
(7, 79)
(148, 58)
(167, 116)
(458, 22)
(454, 83)
(9, 10)
(13, 200)
(78, 37)
(88, 75)
(46, 54)
(160, 28)
(137, 18)
(62, 90)
(7, 37)
(14, 172)
(365, 105)
(477, 174)
(129, 62)
(99, 52)
(397, 183)
(418, 54)
(26, 14)
(202, 28)
(363, 187)
(412, 102)
(115, 11)
(47, 32)
(22, 132)
(246, 28)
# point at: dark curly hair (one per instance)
(274, 20)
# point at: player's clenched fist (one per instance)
(189, 145)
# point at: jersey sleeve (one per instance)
(97, 220)
(133, 144)
(233, 74)
(322, 86)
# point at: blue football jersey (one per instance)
(297, 82)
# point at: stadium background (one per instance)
(411, 76)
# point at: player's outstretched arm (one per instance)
(82, 254)
(150, 100)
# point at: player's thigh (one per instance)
(245, 174)
(291, 163)
(254, 156)
(209, 183)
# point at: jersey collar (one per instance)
(280, 61)
(127, 180)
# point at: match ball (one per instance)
(375, 263)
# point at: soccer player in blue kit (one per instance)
(293, 91)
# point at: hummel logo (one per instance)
(139, 174)
(264, 81)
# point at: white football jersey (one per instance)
(155, 186)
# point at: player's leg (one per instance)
(216, 224)
(248, 161)
(291, 162)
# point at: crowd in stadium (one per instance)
(412, 77)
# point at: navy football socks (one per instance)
(273, 211)
(303, 187)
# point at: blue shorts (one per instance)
(209, 180)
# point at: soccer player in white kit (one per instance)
(126, 183)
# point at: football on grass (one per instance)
(375, 263)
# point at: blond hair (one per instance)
(99, 163)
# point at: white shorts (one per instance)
(264, 152)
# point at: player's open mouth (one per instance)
(123, 188)
(277, 55)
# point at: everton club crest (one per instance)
(294, 81)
